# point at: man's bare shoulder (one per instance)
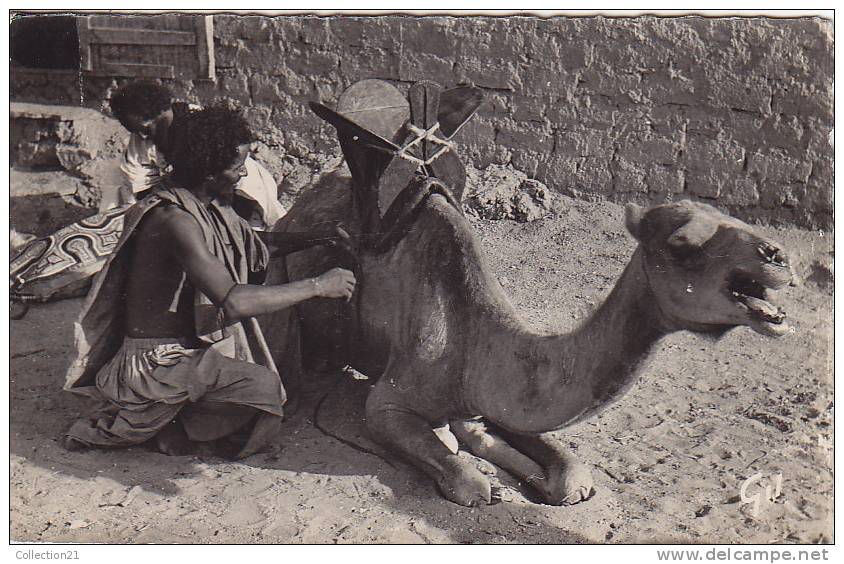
(172, 223)
(168, 216)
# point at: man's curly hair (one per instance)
(205, 143)
(143, 97)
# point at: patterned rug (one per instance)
(62, 264)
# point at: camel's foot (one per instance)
(566, 484)
(464, 484)
(539, 460)
(410, 435)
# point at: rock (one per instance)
(102, 178)
(47, 183)
(61, 136)
(501, 192)
(766, 418)
(54, 147)
(42, 202)
(72, 157)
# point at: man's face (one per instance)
(222, 184)
(146, 128)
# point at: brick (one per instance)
(628, 176)
(593, 176)
(255, 28)
(477, 130)
(752, 94)
(776, 167)
(521, 136)
(310, 30)
(742, 192)
(497, 74)
(371, 62)
(557, 172)
(583, 143)
(703, 183)
(703, 154)
(423, 66)
(430, 35)
(526, 161)
(263, 90)
(661, 179)
(652, 150)
(820, 198)
(528, 108)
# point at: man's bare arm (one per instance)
(246, 300)
(284, 243)
(180, 235)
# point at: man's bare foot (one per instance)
(173, 440)
(267, 429)
(73, 445)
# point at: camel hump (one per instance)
(327, 201)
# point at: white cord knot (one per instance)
(429, 134)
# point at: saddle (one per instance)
(400, 149)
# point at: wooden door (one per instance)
(161, 46)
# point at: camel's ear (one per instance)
(633, 219)
(694, 234)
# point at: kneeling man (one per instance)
(167, 336)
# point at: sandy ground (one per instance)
(668, 460)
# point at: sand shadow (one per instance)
(40, 411)
(330, 410)
(323, 434)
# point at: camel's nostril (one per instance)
(772, 254)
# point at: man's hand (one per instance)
(283, 243)
(331, 236)
(336, 283)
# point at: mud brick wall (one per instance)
(736, 111)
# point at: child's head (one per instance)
(141, 106)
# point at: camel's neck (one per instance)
(556, 381)
(613, 344)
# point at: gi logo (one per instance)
(766, 493)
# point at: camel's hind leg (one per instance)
(537, 459)
(410, 435)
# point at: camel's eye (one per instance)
(687, 255)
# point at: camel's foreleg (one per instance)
(567, 480)
(539, 460)
(410, 435)
(475, 437)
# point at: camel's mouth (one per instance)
(752, 296)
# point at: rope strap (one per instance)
(429, 134)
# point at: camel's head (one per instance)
(709, 271)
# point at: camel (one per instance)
(430, 324)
